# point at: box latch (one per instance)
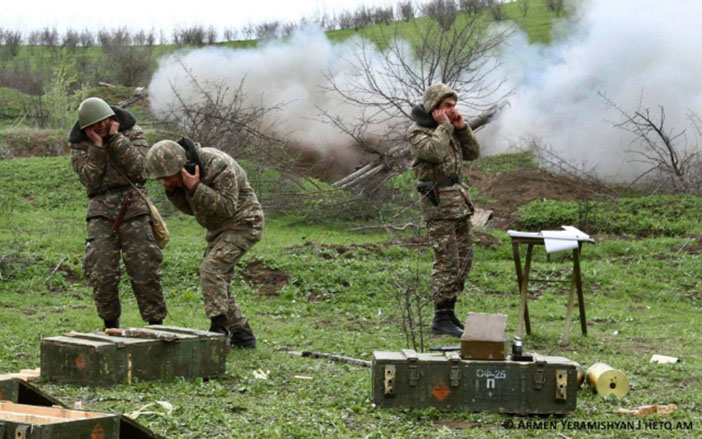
(539, 379)
(455, 375)
(413, 375)
(390, 380)
(561, 384)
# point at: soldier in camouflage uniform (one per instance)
(105, 143)
(440, 141)
(209, 184)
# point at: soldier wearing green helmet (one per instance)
(440, 141)
(108, 150)
(210, 185)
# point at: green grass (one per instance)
(643, 296)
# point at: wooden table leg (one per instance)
(579, 285)
(523, 278)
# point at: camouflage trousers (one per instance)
(217, 270)
(453, 256)
(142, 258)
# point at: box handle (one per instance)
(561, 384)
(390, 380)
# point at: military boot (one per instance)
(243, 338)
(442, 324)
(456, 321)
(111, 323)
(219, 324)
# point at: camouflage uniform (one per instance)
(438, 151)
(106, 189)
(224, 203)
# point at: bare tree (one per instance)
(139, 38)
(268, 30)
(49, 37)
(230, 34)
(131, 63)
(87, 39)
(219, 117)
(194, 35)
(211, 35)
(443, 11)
(496, 9)
(673, 156)
(471, 6)
(288, 29)
(13, 40)
(405, 10)
(34, 38)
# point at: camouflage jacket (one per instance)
(438, 152)
(223, 199)
(105, 186)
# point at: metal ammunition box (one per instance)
(101, 360)
(20, 421)
(545, 385)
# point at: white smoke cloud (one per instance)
(624, 49)
(291, 73)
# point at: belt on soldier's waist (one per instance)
(446, 182)
(116, 189)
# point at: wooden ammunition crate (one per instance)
(21, 392)
(98, 359)
(21, 421)
(407, 379)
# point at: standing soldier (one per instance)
(440, 141)
(209, 184)
(107, 150)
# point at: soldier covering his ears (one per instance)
(440, 141)
(210, 185)
(107, 150)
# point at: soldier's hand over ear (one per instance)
(457, 121)
(440, 115)
(190, 180)
(93, 135)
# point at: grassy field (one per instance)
(643, 296)
(323, 287)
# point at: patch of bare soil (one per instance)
(269, 280)
(511, 189)
(33, 142)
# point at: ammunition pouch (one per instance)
(430, 189)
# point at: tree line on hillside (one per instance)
(443, 11)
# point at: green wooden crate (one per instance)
(212, 350)
(101, 360)
(407, 379)
(21, 421)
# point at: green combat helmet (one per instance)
(165, 158)
(93, 110)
